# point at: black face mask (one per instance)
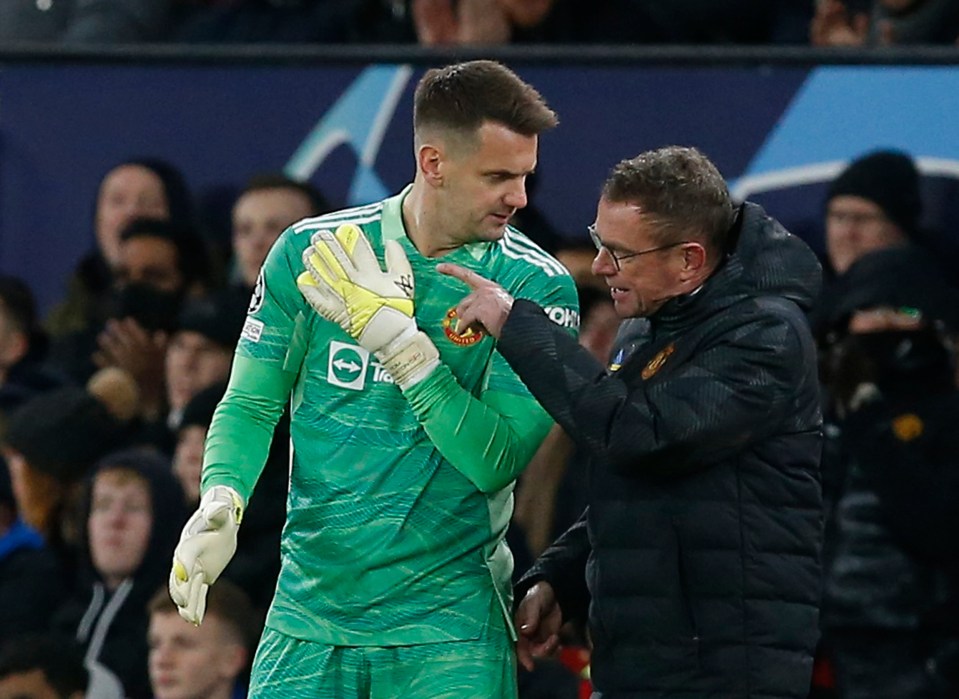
(151, 308)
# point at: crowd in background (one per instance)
(105, 404)
(483, 22)
(105, 401)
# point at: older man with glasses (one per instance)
(696, 563)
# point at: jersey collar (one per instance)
(391, 224)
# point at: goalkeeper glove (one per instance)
(345, 284)
(207, 544)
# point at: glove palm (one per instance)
(207, 544)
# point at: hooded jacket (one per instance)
(698, 556)
(112, 624)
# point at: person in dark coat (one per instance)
(133, 514)
(31, 579)
(696, 561)
(891, 604)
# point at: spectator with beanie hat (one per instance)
(198, 354)
(873, 204)
(50, 444)
(201, 348)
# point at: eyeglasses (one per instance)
(618, 259)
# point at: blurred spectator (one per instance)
(256, 564)
(266, 206)
(50, 444)
(158, 266)
(191, 436)
(22, 347)
(133, 189)
(873, 204)
(449, 22)
(891, 480)
(36, 667)
(258, 21)
(133, 515)
(51, 667)
(884, 22)
(31, 580)
(118, 391)
(87, 21)
(578, 259)
(201, 349)
(206, 661)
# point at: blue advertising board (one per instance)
(778, 133)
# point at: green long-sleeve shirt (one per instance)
(398, 504)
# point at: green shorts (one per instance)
(291, 668)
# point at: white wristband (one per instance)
(409, 358)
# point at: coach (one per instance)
(697, 560)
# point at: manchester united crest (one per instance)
(469, 337)
(656, 363)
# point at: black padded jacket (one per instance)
(697, 559)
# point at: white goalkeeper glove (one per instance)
(207, 544)
(344, 283)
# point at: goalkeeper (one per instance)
(407, 434)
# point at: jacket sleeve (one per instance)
(563, 566)
(736, 387)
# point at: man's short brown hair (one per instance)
(681, 190)
(463, 96)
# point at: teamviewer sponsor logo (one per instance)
(566, 317)
(347, 366)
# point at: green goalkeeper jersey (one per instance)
(398, 504)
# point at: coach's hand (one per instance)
(207, 544)
(538, 620)
(487, 306)
(344, 283)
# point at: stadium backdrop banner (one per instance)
(778, 133)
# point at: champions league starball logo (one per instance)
(358, 120)
(259, 290)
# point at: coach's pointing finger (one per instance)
(487, 306)
(467, 276)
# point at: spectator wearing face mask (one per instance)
(158, 266)
(135, 188)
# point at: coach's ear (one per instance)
(693, 261)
